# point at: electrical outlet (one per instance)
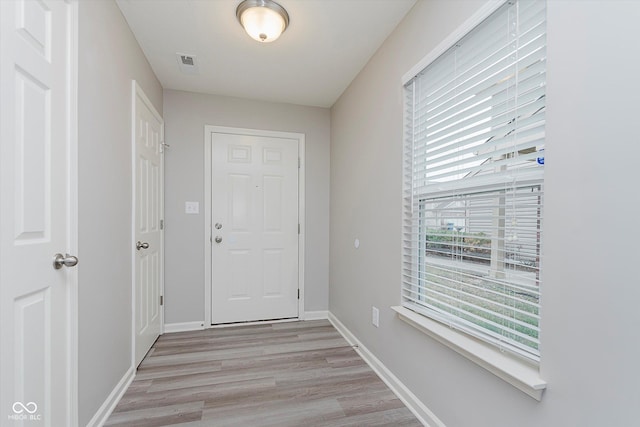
(375, 316)
(191, 207)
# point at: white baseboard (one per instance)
(315, 315)
(198, 326)
(183, 327)
(112, 400)
(419, 409)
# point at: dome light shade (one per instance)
(263, 20)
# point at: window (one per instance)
(474, 181)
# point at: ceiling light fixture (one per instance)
(263, 20)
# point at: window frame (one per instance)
(521, 372)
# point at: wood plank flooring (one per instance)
(281, 374)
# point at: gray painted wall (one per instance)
(185, 115)
(591, 288)
(109, 58)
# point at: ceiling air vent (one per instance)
(187, 63)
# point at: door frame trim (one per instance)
(300, 137)
(136, 91)
(74, 214)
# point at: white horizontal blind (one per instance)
(474, 188)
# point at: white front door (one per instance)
(254, 215)
(36, 213)
(148, 234)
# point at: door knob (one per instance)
(218, 239)
(67, 260)
(141, 245)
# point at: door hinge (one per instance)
(162, 224)
(161, 299)
(298, 293)
(298, 228)
(299, 161)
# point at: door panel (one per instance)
(240, 201)
(255, 200)
(148, 214)
(35, 212)
(32, 157)
(239, 274)
(272, 260)
(273, 199)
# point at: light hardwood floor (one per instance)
(281, 374)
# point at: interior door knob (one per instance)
(67, 260)
(141, 245)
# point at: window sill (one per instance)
(517, 373)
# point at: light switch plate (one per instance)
(191, 207)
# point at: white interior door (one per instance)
(148, 230)
(35, 213)
(254, 211)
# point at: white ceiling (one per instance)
(327, 43)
